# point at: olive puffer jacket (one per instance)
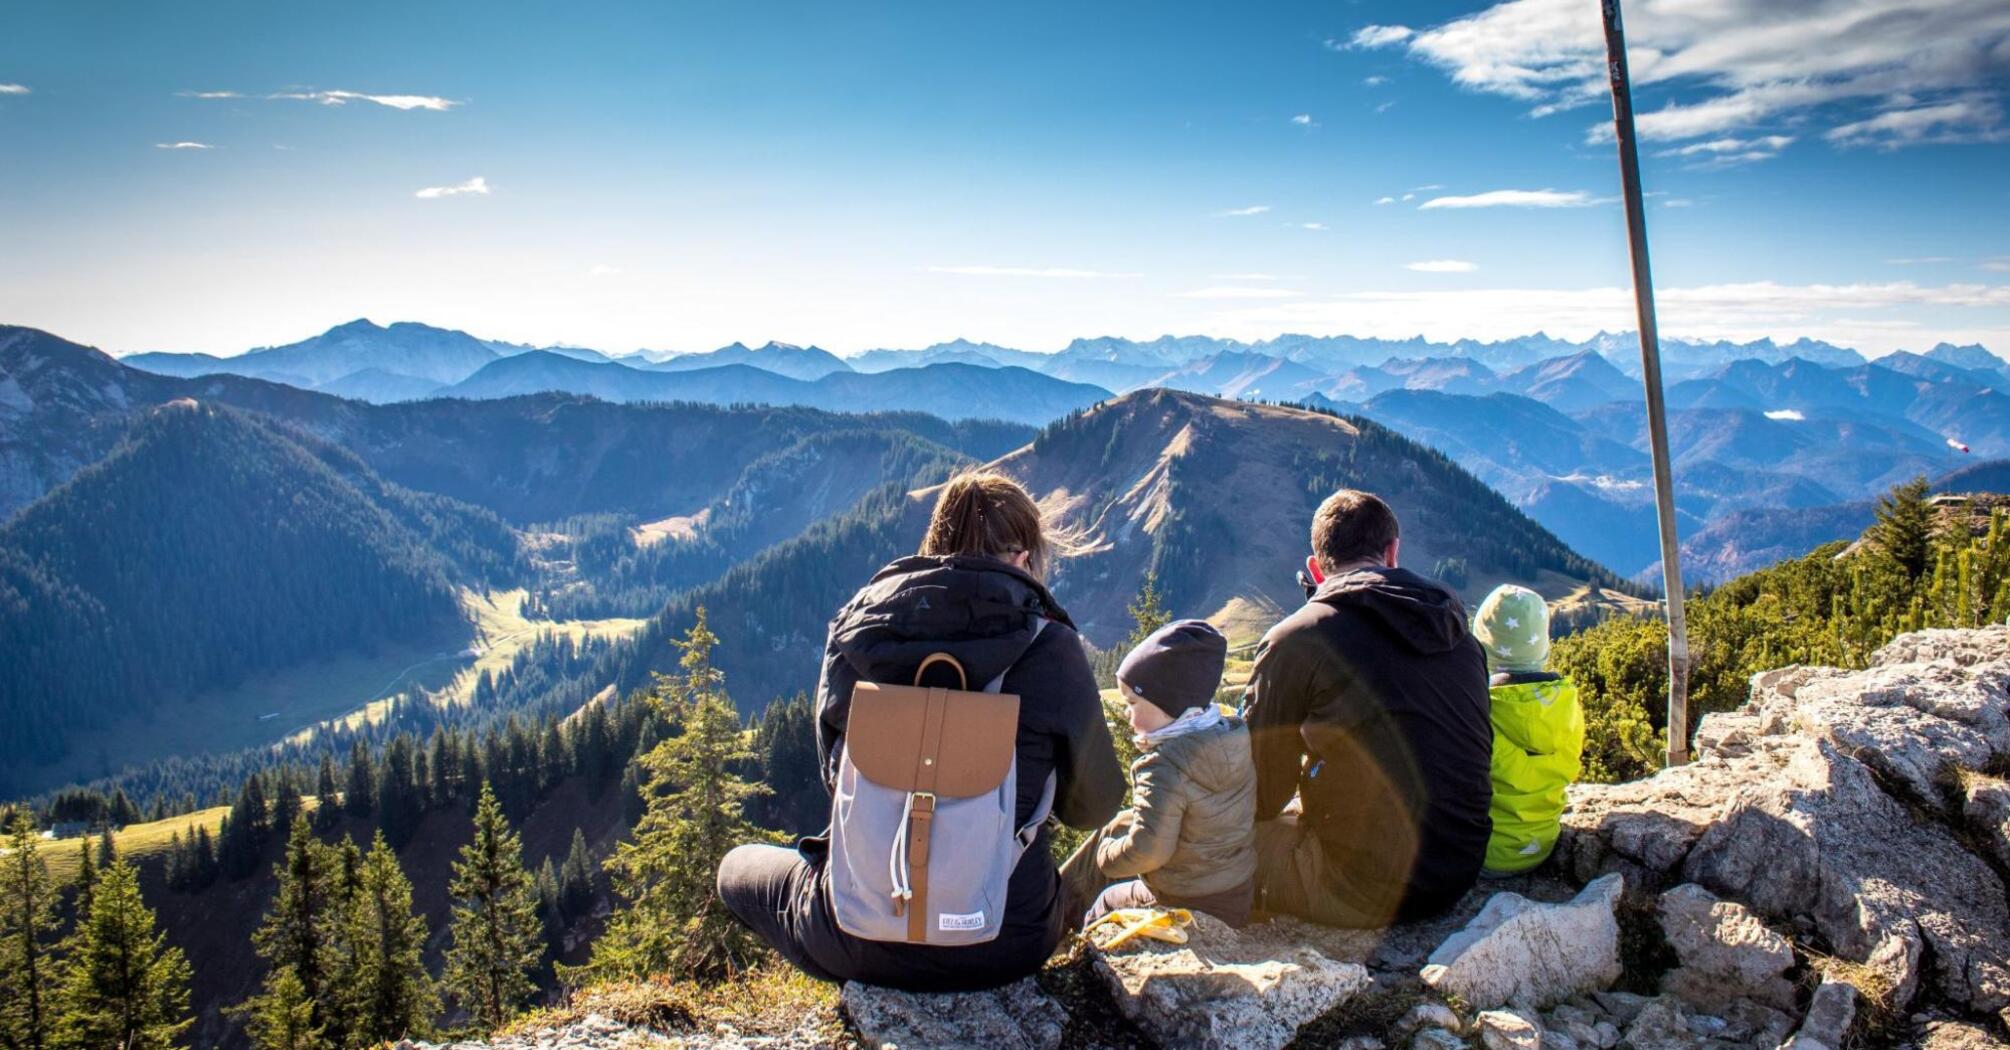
(1538, 752)
(1192, 828)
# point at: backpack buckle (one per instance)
(924, 801)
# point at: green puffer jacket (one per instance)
(1191, 830)
(1538, 751)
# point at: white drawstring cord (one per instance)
(897, 869)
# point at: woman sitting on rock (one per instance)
(924, 914)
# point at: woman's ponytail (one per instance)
(987, 513)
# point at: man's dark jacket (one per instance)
(1370, 702)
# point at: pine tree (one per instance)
(123, 985)
(294, 940)
(27, 941)
(281, 1016)
(399, 806)
(575, 878)
(357, 795)
(548, 907)
(1904, 529)
(671, 920)
(495, 928)
(390, 996)
(327, 796)
(87, 879)
(1148, 611)
(286, 801)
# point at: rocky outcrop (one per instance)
(1725, 951)
(1517, 950)
(1018, 1016)
(1221, 989)
(1832, 804)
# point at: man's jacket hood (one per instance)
(1422, 612)
(979, 610)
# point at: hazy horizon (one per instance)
(1626, 335)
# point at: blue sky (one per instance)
(682, 175)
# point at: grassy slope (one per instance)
(291, 704)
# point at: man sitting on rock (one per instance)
(1368, 718)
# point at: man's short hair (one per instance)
(1352, 526)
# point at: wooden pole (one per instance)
(1650, 377)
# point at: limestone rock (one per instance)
(591, 1032)
(1830, 1014)
(1805, 806)
(1757, 1024)
(1986, 806)
(1915, 724)
(1940, 1034)
(1586, 1028)
(1964, 648)
(1436, 1039)
(1622, 1007)
(1519, 950)
(1019, 1016)
(1823, 841)
(1508, 1030)
(1222, 989)
(1429, 1015)
(1726, 952)
(1663, 1024)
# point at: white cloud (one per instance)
(2000, 264)
(1319, 226)
(1249, 277)
(1730, 151)
(1678, 202)
(1239, 292)
(1027, 271)
(1442, 266)
(1375, 81)
(1303, 120)
(13, 89)
(208, 94)
(338, 98)
(1516, 199)
(183, 145)
(1427, 188)
(1385, 200)
(1921, 260)
(1386, 106)
(1380, 36)
(477, 185)
(1738, 63)
(1254, 209)
(602, 270)
(1974, 119)
(1787, 415)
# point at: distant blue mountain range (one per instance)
(1554, 424)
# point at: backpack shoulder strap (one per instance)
(1029, 831)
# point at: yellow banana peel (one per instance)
(1159, 924)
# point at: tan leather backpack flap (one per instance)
(947, 742)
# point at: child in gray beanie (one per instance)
(1189, 838)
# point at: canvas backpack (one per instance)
(923, 840)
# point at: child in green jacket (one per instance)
(1538, 730)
